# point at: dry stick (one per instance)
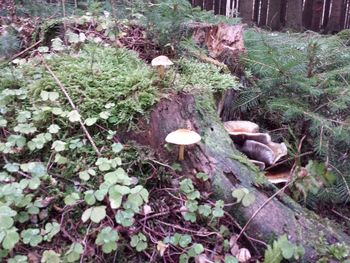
(261, 207)
(26, 50)
(59, 83)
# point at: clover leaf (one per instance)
(139, 242)
(107, 238)
(96, 214)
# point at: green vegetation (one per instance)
(67, 203)
(302, 79)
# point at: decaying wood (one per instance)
(216, 155)
(221, 39)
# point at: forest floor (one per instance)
(87, 176)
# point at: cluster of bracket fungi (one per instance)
(258, 147)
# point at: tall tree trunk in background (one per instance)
(307, 14)
(209, 5)
(274, 14)
(246, 11)
(283, 13)
(334, 23)
(294, 14)
(263, 12)
(223, 7)
(217, 7)
(198, 3)
(317, 10)
(255, 11)
(343, 14)
(327, 10)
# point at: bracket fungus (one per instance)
(161, 63)
(182, 137)
(257, 146)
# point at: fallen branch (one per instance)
(261, 207)
(59, 83)
(25, 50)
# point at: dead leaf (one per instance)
(161, 247)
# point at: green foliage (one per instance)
(139, 242)
(166, 20)
(50, 256)
(99, 76)
(244, 196)
(204, 76)
(107, 238)
(282, 249)
(302, 79)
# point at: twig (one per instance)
(26, 50)
(261, 207)
(339, 214)
(59, 83)
(196, 233)
(289, 159)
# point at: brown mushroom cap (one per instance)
(258, 151)
(279, 149)
(183, 137)
(276, 178)
(161, 61)
(241, 127)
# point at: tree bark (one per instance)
(263, 12)
(307, 14)
(256, 11)
(317, 11)
(334, 22)
(209, 5)
(216, 156)
(326, 13)
(294, 14)
(274, 14)
(246, 11)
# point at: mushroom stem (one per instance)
(182, 152)
(161, 71)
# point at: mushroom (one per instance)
(182, 137)
(161, 63)
(241, 127)
(261, 165)
(279, 149)
(276, 178)
(258, 151)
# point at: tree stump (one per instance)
(217, 156)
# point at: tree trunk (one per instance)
(209, 5)
(256, 11)
(294, 14)
(198, 3)
(216, 156)
(327, 9)
(274, 14)
(263, 12)
(223, 7)
(246, 11)
(334, 22)
(317, 11)
(307, 14)
(217, 7)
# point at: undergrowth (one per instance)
(302, 80)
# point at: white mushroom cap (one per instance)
(161, 61)
(183, 137)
